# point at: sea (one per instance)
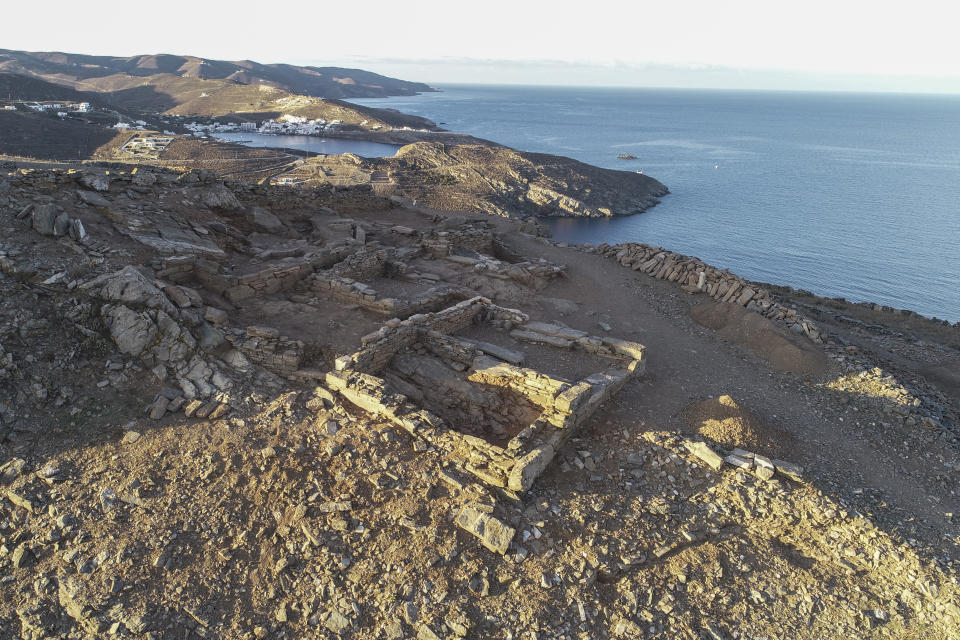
(846, 195)
(316, 144)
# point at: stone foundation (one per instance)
(564, 406)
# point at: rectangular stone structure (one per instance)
(564, 405)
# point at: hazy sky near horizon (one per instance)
(833, 44)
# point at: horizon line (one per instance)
(436, 85)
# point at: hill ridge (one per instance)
(82, 71)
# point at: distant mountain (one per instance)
(108, 73)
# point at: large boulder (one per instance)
(219, 197)
(132, 331)
(95, 181)
(61, 225)
(265, 221)
(129, 286)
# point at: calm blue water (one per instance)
(852, 195)
(311, 143)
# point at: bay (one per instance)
(316, 144)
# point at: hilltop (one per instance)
(467, 174)
(238, 410)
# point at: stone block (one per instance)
(790, 469)
(633, 350)
(763, 467)
(529, 467)
(159, 407)
(532, 336)
(704, 453)
(494, 534)
(191, 407)
(573, 398)
(77, 230)
(44, 218)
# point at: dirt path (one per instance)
(688, 362)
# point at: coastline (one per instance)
(778, 235)
(253, 391)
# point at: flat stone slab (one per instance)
(738, 462)
(555, 330)
(495, 350)
(541, 338)
(494, 535)
(788, 468)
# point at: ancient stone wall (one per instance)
(369, 263)
(442, 243)
(353, 292)
(695, 276)
(565, 406)
(278, 277)
(267, 348)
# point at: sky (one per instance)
(751, 44)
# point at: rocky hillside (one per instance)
(47, 137)
(14, 86)
(231, 410)
(215, 98)
(108, 73)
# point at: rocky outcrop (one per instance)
(95, 181)
(129, 286)
(497, 180)
(171, 338)
(219, 197)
